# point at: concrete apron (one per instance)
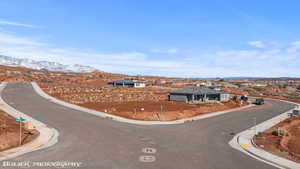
(48, 136)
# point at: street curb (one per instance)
(126, 120)
(243, 142)
(48, 136)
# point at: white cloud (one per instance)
(6, 38)
(22, 47)
(167, 51)
(293, 47)
(5, 22)
(295, 44)
(257, 44)
(279, 61)
(172, 51)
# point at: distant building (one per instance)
(198, 95)
(216, 87)
(127, 83)
(252, 84)
(246, 84)
(205, 83)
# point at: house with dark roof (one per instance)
(216, 87)
(127, 83)
(198, 95)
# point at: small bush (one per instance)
(46, 81)
(280, 132)
(235, 98)
(260, 134)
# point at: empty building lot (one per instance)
(102, 143)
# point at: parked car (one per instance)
(244, 98)
(296, 112)
(259, 101)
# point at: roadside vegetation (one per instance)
(10, 132)
(282, 139)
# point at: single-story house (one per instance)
(252, 84)
(127, 83)
(216, 87)
(198, 95)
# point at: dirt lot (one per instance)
(86, 93)
(161, 111)
(90, 90)
(148, 103)
(287, 146)
(10, 132)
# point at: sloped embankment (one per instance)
(10, 132)
(287, 144)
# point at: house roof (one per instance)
(126, 82)
(198, 91)
(215, 87)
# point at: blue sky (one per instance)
(182, 38)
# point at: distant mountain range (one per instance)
(44, 65)
(242, 78)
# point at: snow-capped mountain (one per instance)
(44, 65)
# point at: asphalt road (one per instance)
(105, 144)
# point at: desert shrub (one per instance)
(46, 81)
(260, 134)
(280, 132)
(237, 84)
(235, 98)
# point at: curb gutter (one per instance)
(126, 120)
(243, 142)
(48, 136)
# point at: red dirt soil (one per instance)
(159, 111)
(90, 90)
(149, 104)
(10, 132)
(285, 146)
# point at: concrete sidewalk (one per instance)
(48, 136)
(244, 142)
(126, 120)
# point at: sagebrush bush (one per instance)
(280, 132)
